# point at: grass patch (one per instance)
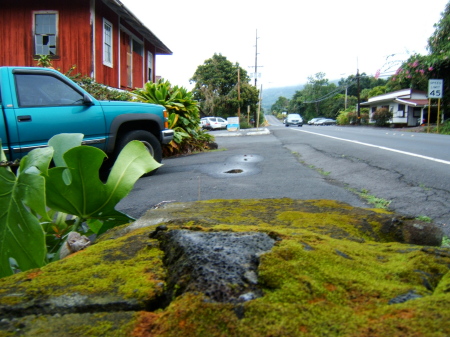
(373, 200)
(322, 172)
(424, 218)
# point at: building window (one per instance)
(150, 66)
(401, 110)
(107, 43)
(416, 112)
(137, 47)
(45, 33)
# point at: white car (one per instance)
(325, 121)
(213, 123)
(294, 119)
(314, 120)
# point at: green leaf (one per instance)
(22, 198)
(61, 143)
(86, 196)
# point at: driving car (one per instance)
(213, 123)
(294, 119)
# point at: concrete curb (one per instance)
(244, 132)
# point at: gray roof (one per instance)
(128, 16)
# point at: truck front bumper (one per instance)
(166, 136)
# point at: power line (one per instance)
(334, 92)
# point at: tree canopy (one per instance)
(217, 90)
(320, 97)
(418, 69)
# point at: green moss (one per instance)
(116, 324)
(443, 288)
(319, 280)
(125, 267)
(332, 272)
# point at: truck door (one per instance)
(48, 105)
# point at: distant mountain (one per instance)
(270, 95)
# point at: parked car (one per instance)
(325, 121)
(294, 119)
(213, 123)
(312, 121)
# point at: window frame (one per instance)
(106, 62)
(150, 66)
(137, 47)
(56, 13)
(41, 94)
(401, 108)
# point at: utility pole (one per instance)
(239, 94)
(358, 122)
(256, 72)
(256, 58)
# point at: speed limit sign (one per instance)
(435, 88)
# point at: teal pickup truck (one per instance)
(38, 103)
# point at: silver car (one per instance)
(314, 120)
(213, 123)
(294, 119)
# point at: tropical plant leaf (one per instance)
(86, 196)
(22, 200)
(61, 143)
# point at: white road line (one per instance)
(380, 147)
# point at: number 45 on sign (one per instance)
(435, 88)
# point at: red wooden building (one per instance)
(101, 37)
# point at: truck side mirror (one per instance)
(87, 100)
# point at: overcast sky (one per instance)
(296, 39)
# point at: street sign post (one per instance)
(435, 90)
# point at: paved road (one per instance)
(410, 169)
(256, 166)
(278, 162)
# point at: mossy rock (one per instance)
(334, 270)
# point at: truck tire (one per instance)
(148, 139)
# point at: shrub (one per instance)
(444, 128)
(184, 116)
(102, 92)
(97, 90)
(343, 118)
(244, 125)
(351, 118)
(382, 116)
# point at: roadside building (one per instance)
(102, 38)
(409, 107)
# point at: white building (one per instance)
(409, 107)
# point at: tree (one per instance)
(280, 105)
(316, 94)
(418, 69)
(216, 87)
(365, 82)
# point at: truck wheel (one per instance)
(148, 139)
